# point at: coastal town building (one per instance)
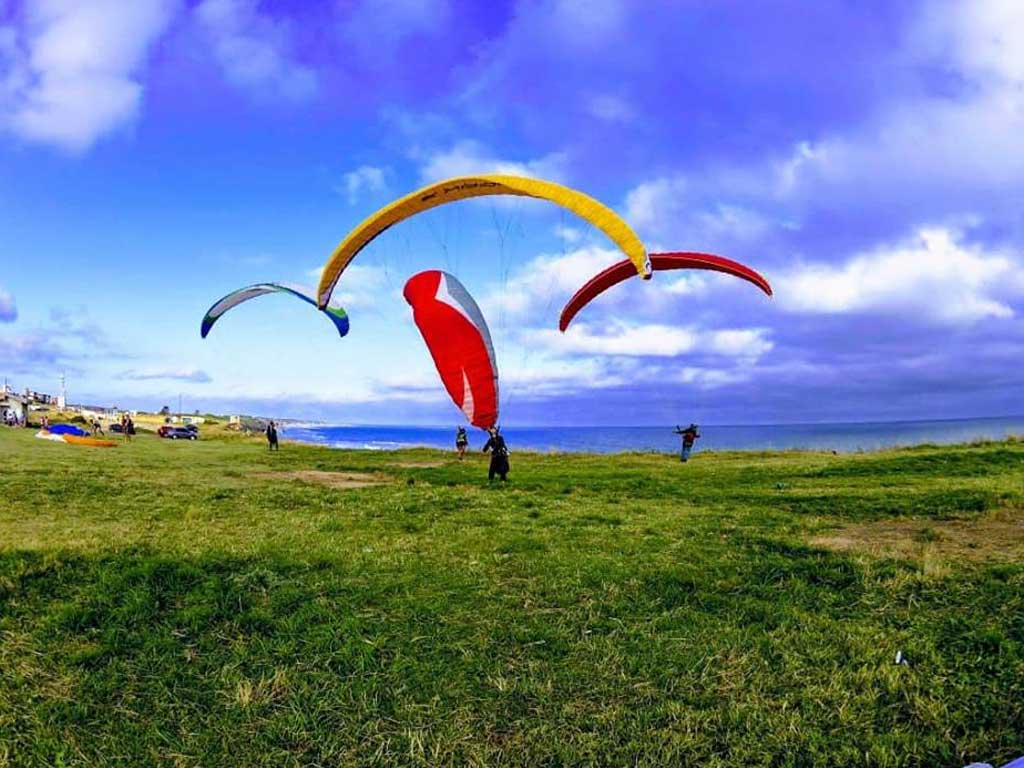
(12, 407)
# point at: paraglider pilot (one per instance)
(499, 455)
(461, 441)
(272, 437)
(689, 436)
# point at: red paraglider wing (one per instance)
(616, 273)
(459, 341)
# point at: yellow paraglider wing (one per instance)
(464, 187)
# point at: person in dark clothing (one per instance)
(272, 437)
(689, 436)
(499, 455)
(461, 441)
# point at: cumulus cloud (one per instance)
(193, 375)
(468, 157)
(537, 290)
(937, 149)
(544, 279)
(8, 312)
(69, 74)
(933, 278)
(524, 374)
(610, 108)
(655, 340)
(69, 339)
(376, 27)
(360, 286)
(568, 234)
(365, 178)
(26, 352)
(674, 208)
(253, 49)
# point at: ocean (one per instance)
(844, 438)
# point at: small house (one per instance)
(12, 407)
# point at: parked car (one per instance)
(177, 433)
(115, 427)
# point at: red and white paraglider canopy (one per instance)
(459, 341)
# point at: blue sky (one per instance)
(865, 157)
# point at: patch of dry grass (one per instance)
(998, 537)
(345, 481)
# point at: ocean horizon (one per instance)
(845, 437)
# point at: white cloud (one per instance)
(360, 285)
(537, 291)
(984, 36)
(586, 25)
(8, 312)
(365, 178)
(645, 203)
(546, 278)
(933, 148)
(707, 378)
(656, 340)
(568, 234)
(668, 208)
(376, 28)
(610, 108)
(688, 285)
(466, 158)
(549, 376)
(68, 76)
(253, 50)
(193, 375)
(932, 278)
(937, 154)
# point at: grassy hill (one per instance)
(170, 603)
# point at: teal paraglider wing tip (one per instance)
(335, 313)
(339, 318)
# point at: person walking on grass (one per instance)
(127, 427)
(461, 442)
(689, 437)
(499, 455)
(272, 437)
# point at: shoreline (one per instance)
(840, 439)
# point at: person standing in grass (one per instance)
(499, 455)
(689, 437)
(461, 441)
(272, 437)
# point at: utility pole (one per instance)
(63, 402)
(179, 406)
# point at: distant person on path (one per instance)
(461, 441)
(499, 455)
(689, 436)
(272, 437)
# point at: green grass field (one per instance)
(209, 604)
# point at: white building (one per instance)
(12, 406)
